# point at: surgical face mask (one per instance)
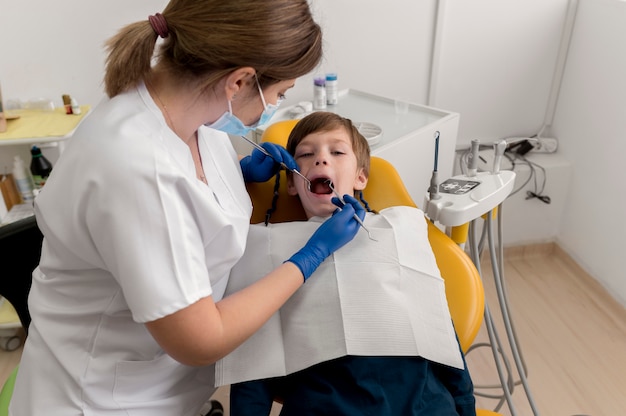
(231, 124)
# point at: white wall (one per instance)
(591, 120)
(52, 48)
(382, 47)
(495, 64)
(490, 67)
(49, 51)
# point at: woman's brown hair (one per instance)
(207, 39)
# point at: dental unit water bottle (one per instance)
(23, 180)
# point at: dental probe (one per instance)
(356, 217)
(265, 152)
(433, 189)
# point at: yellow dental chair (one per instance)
(385, 188)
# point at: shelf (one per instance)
(33, 127)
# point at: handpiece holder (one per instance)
(472, 164)
(464, 198)
(499, 147)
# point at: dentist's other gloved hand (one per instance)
(258, 167)
(333, 234)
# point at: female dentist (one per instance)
(146, 212)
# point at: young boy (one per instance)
(371, 335)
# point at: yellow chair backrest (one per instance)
(385, 188)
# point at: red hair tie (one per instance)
(159, 25)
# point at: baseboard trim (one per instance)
(531, 250)
(525, 251)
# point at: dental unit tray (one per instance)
(462, 198)
(372, 132)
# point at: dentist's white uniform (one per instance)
(131, 235)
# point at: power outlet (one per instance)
(544, 145)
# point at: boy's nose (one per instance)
(320, 162)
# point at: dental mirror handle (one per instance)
(282, 164)
(355, 216)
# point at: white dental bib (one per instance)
(384, 298)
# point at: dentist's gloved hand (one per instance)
(333, 234)
(258, 167)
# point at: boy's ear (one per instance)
(291, 188)
(360, 181)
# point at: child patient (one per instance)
(372, 335)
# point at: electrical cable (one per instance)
(532, 166)
(538, 192)
(513, 160)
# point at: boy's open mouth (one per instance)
(321, 186)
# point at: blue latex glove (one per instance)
(258, 167)
(333, 234)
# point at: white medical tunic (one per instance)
(131, 235)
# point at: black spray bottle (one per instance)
(40, 167)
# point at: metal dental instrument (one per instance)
(266, 153)
(356, 217)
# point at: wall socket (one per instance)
(544, 145)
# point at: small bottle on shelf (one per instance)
(319, 93)
(75, 107)
(40, 167)
(332, 92)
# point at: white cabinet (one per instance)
(407, 141)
